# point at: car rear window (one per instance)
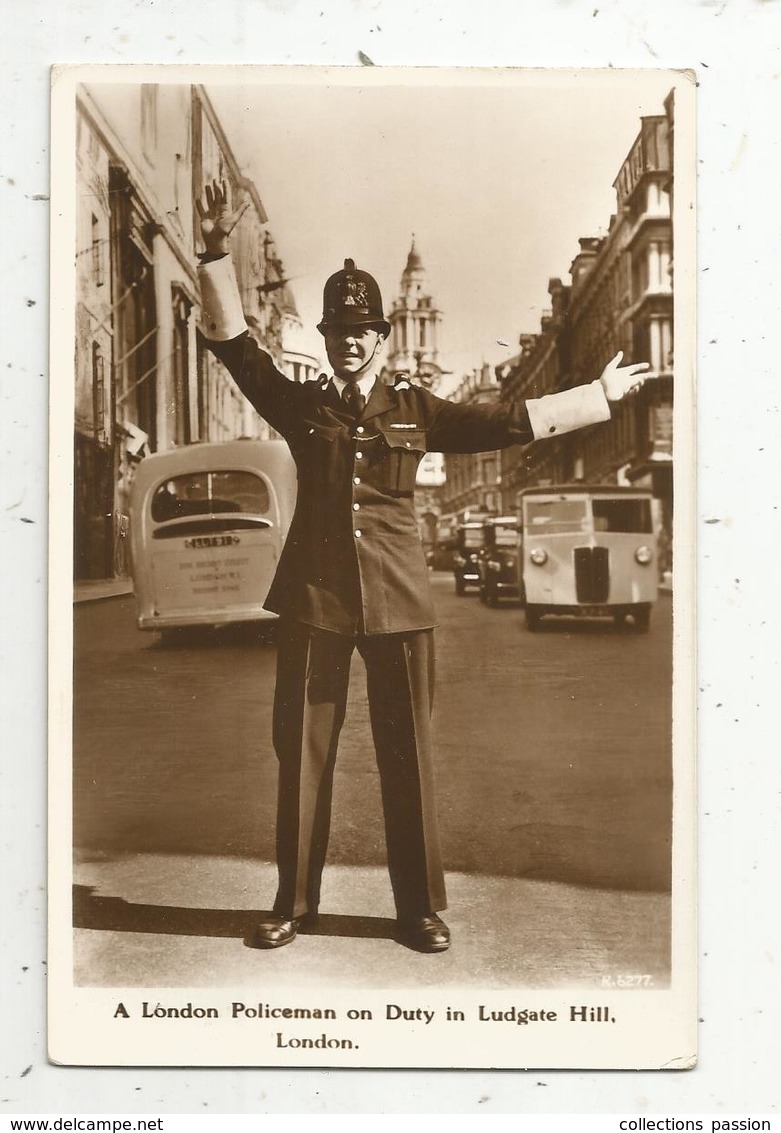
(505, 535)
(211, 493)
(472, 537)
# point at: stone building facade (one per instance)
(473, 480)
(143, 382)
(620, 298)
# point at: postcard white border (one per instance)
(736, 49)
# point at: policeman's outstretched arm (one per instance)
(617, 380)
(221, 306)
(218, 216)
(222, 315)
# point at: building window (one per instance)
(97, 253)
(100, 395)
(640, 276)
(665, 277)
(667, 345)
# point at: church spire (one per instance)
(414, 318)
(414, 262)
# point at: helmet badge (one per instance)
(355, 293)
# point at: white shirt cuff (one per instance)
(558, 413)
(222, 315)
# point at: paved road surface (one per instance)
(554, 789)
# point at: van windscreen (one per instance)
(623, 515)
(556, 517)
(211, 493)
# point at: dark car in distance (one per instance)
(498, 559)
(469, 543)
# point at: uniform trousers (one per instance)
(313, 670)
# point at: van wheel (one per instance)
(533, 619)
(641, 618)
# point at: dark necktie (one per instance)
(353, 399)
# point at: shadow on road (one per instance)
(115, 914)
(257, 634)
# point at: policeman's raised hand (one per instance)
(617, 380)
(218, 216)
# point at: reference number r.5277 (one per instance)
(628, 980)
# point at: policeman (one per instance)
(352, 574)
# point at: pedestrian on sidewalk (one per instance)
(353, 574)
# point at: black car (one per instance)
(469, 543)
(498, 559)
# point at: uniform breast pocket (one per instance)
(315, 431)
(318, 440)
(402, 451)
(315, 447)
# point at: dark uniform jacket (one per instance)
(353, 561)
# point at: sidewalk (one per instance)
(165, 920)
(91, 590)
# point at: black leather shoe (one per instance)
(423, 934)
(275, 931)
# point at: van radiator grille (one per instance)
(592, 574)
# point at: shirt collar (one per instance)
(365, 384)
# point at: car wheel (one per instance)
(491, 598)
(459, 587)
(533, 619)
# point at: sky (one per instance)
(496, 173)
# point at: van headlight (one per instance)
(644, 555)
(538, 556)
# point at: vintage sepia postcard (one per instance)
(371, 390)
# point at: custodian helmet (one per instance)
(351, 298)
